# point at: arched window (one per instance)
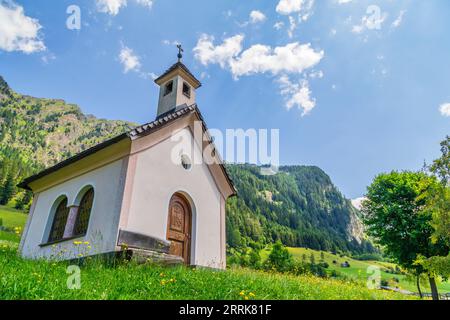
(84, 213)
(59, 221)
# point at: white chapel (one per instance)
(143, 191)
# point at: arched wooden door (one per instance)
(179, 227)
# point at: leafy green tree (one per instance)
(312, 258)
(8, 190)
(279, 258)
(394, 216)
(438, 266)
(439, 197)
(23, 200)
(441, 166)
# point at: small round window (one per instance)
(186, 162)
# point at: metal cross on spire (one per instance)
(180, 52)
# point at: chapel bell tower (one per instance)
(177, 87)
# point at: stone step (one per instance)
(153, 257)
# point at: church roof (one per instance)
(179, 65)
(162, 119)
(135, 133)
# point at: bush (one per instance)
(254, 259)
(368, 256)
(318, 270)
(279, 258)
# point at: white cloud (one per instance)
(257, 16)
(207, 53)
(17, 31)
(399, 19)
(297, 10)
(129, 60)
(297, 94)
(292, 58)
(370, 22)
(301, 7)
(316, 74)
(278, 25)
(132, 63)
(357, 203)
(112, 7)
(344, 1)
(445, 109)
(170, 43)
(292, 27)
(288, 7)
(145, 3)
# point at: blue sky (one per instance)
(355, 87)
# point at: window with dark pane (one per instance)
(59, 222)
(84, 213)
(186, 90)
(168, 88)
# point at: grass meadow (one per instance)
(26, 279)
(358, 270)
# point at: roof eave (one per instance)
(25, 183)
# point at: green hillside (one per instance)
(358, 269)
(11, 218)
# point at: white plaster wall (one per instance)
(157, 178)
(103, 224)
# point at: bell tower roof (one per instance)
(179, 68)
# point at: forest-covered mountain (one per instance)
(300, 205)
